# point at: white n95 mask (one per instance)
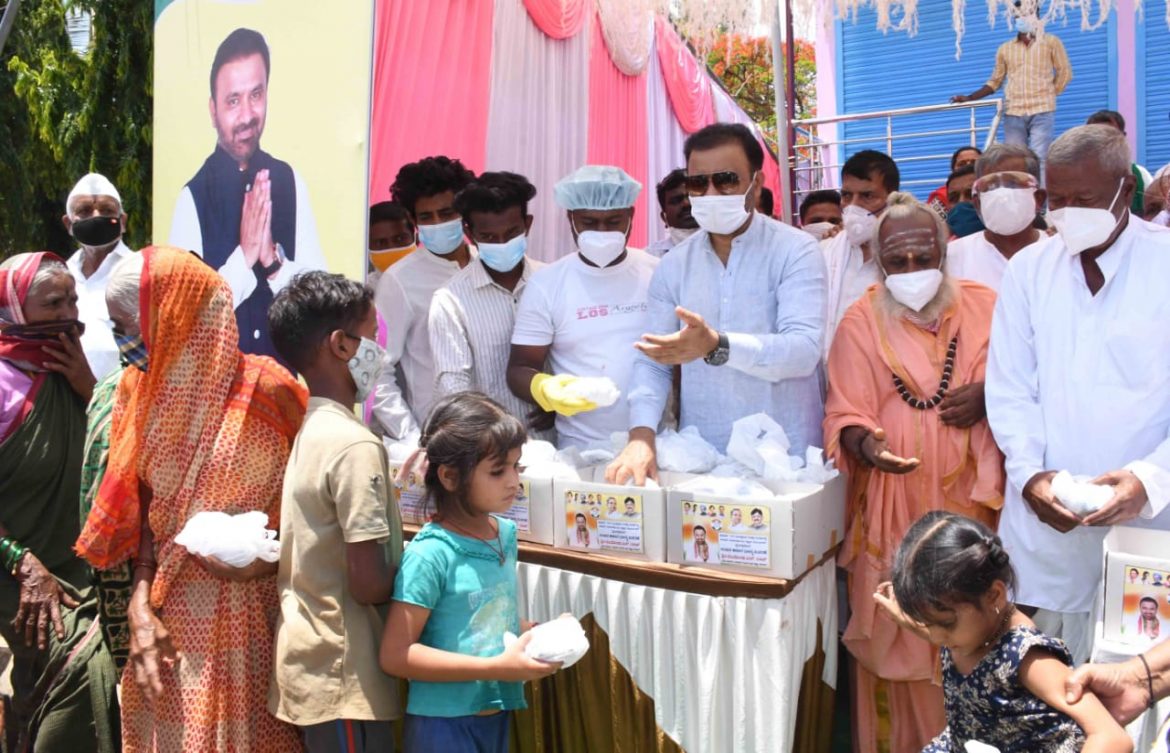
(859, 224)
(601, 247)
(915, 289)
(1007, 211)
(1085, 227)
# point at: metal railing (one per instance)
(815, 162)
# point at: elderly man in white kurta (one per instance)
(1078, 379)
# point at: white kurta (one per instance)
(1080, 382)
(98, 341)
(849, 275)
(972, 257)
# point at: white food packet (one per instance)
(601, 391)
(1079, 495)
(562, 639)
(236, 540)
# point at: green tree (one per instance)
(744, 66)
(63, 115)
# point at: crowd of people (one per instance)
(949, 374)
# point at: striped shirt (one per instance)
(470, 327)
(1036, 73)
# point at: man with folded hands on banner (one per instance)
(675, 211)
(1078, 379)
(867, 180)
(472, 316)
(405, 391)
(749, 294)
(246, 212)
(1008, 198)
(905, 420)
(580, 314)
(95, 219)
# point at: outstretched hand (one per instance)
(694, 341)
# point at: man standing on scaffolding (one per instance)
(1037, 71)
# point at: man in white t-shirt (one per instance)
(867, 180)
(1008, 197)
(580, 316)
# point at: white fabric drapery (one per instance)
(666, 140)
(724, 672)
(539, 116)
(628, 28)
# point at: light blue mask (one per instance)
(443, 238)
(503, 257)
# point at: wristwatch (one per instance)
(722, 351)
(277, 262)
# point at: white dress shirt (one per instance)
(1081, 383)
(849, 275)
(404, 392)
(98, 341)
(972, 257)
(471, 322)
(770, 301)
(186, 234)
(590, 318)
(658, 248)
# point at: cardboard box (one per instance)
(782, 537)
(532, 513)
(617, 520)
(1134, 604)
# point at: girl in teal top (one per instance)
(455, 594)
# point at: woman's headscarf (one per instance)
(20, 342)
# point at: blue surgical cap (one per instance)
(597, 187)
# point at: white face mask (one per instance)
(365, 367)
(680, 234)
(601, 248)
(818, 230)
(859, 224)
(722, 215)
(1007, 211)
(915, 289)
(1085, 227)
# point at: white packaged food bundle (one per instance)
(601, 391)
(1079, 494)
(560, 640)
(236, 540)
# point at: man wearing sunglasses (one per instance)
(867, 180)
(1008, 198)
(739, 307)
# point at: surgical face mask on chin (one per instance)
(859, 224)
(1007, 211)
(915, 290)
(443, 238)
(1083, 228)
(680, 234)
(818, 230)
(601, 248)
(722, 215)
(365, 367)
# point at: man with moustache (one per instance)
(246, 212)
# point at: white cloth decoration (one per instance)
(628, 28)
(237, 540)
(726, 675)
(1079, 495)
(560, 640)
(685, 451)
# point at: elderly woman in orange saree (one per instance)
(203, 427)
(906, 420)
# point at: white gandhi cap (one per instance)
(93, 184)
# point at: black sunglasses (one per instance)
(725, 181)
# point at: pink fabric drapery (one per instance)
(617, 125)
(539, 117)
(432, 67)
(560, 19)
(687, 82)
(726, 111)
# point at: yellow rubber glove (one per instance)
(549, 392)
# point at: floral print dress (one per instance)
(992, 705)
